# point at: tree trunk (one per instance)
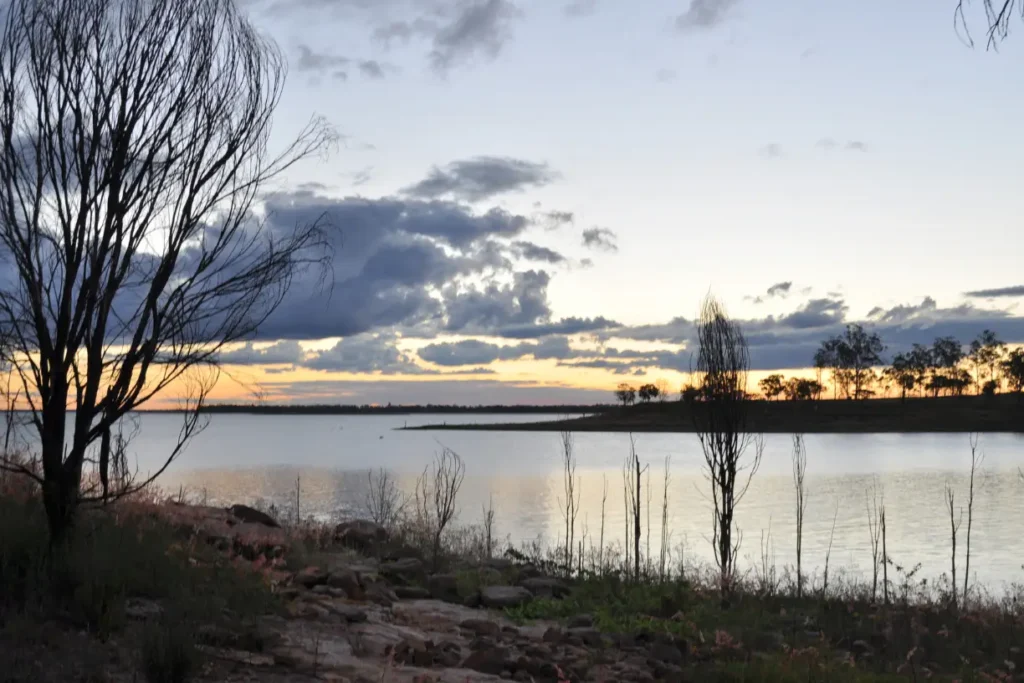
(60, 499)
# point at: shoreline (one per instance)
(959, 414)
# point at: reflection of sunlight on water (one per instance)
(248, 459)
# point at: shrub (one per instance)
(169, 652)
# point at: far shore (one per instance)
(1003, 413)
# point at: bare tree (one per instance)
(570, 503)
(600, 540)
(799, 471)
(436, 492)
(998, 14)
(954, 526)
(720, 421)
(828, 553)
(384, 502)
(874, 508)
(631, 492)
(135, 147)
(665, 536)
(976, 459)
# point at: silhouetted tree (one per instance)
(801, 389)
(723, 363)
(851, 357)
(902, 373)
(828, 357)
(946, 373)
(772, 386)
(135, 141)
(663, 391)
(1013, 370)
(625, 394)
(985, 353)
(647, 393)
(998, 14)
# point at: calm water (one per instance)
(241, 458)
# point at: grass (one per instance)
(115, 560)
(755, 637)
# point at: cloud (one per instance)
(534, 252)
(285, 352)
(704, 14)
(476, 352)
(771, 151)
(826, 144)
(666, 75)
(553, 220)
(322, 63)
(997, 293)
(480, 28)
(856, 146)
(780, 289)
(422, 266)
(481, 178)
(364, 354)
(600, 238)
(580, 8)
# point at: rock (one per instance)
(412, 593)
(360, 534)
(329, 592)
(444, 587)
(501, 597)
(142, 610)
(350, 613)
(545, 587)
(381, 594)
(666, 653)
(491, 660)
(348, 581)
(581, 621)
(765, 641)
(252, 515)
(405, 568)
(861, 649)
(553, 635)
(310, 577)
(590, 637)
(501, 564)
(448, 654)
(481, 627)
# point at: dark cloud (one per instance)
(479, 29)
(481, 178)
(323, 63)
(553, 220)
(285, 352)
(816, 313)
(571, 325)
(780, 289)
(704, 14)
(364, 354)
(405, 263)
(534, 252)
(475, 352)
(580, 8)
(997, 293)
(600, 238)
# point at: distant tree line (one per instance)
(852, 362)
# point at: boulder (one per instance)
(348, 581)
(405, 568)
(581, 621)
(666, 653)
(360, 534)
(491, 660)
(481, 627)
(253, 516)
(310, 577)
(545, 587)
(501, 597)
(444, 587)
(412, 593)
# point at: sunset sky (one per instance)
(531, 197)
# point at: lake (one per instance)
(252, 458)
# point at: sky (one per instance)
(529, 199)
